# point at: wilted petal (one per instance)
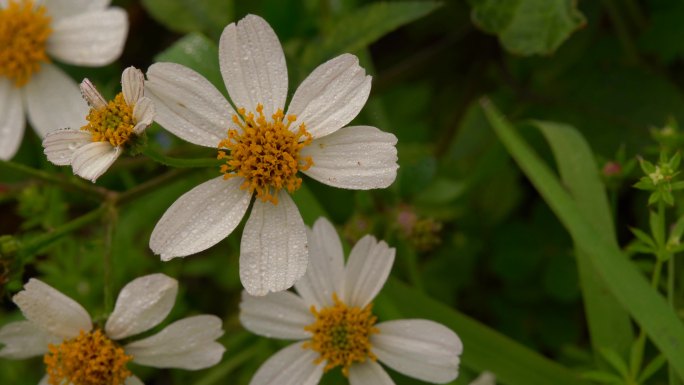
(142, 304)
(292, 365)
(419, 348)
(89, 39)
(273, 251)
(132, 85)
(92, 160)
(276, 315)
(367, 270)
(325, 271)
(92, 95)
(143, 113)
(253, 65)
(331, 96)
(52, 311)
(185, 344)
(200, 218)
(357, 157)
(59, 146)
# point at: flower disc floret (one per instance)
(113, 123)
(24, 31)
(265, 153)
(89, 359)
(341, 335)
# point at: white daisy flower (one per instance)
(109, 128)
(79, 32)
(333, 320)
(486, 378)
(76, 353)
(268, 148)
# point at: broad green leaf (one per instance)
(197, 52)
(609, 324)
(208, 16)
(622, 278)
(614, 359)
(484, 348)
(363, 26)
(528, 27)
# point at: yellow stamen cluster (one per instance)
(89, 359)
(24, 30)
(265, 153)
(113, 124)
(341, 335)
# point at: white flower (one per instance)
(486, 378)
(61, 330)
(111, 126)
(267, 149)
(85, 33)
(332, 315)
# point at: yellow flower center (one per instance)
(89, 359)
(266, 154)
(24, 30)
(341, 335)
(113, 124)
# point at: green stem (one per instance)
(110, 224)
(148, 186)
(672, 376)
(180, 162)
(35, 244)
(225, 368)
(70, 184)
(636, 14)
(621, 30)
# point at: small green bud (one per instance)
(9, 246)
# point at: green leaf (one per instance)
(643, 237)
(363, 26)
(603, 377)
(208, 16)
(614, 359)
(528, 27)
(652, 368)
(484, 348)
(197, 52)
(657, 228)
(622, 278)
(609, 324)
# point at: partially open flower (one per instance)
(77, 353)
(110, 127)
(333, 320)
(32, 33)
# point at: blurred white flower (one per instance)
(84, 33)
(109, 128)
(267, 150)
(486, 378)
(332, 316)
(76, 353)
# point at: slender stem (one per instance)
(148, 186)
(673, 379)
(636, 14)
(179, 162)
(35, 244)
(621, 30)
(74, 185)
(225, 368)
(110, 219)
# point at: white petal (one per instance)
(185, 344)
(201, 218)
(89, 39)
(59, 145)
(367, 270)
(486, 378)
(419, 348)
(12, 122)
(292, 365)
(253, 65)
(92, 95)
(93, 159)
(132, 85)
(331, 96)
(325, 272)
(188, 105)
(59, 9)
(133, 380)
(54, 101)
(52, 311)
(142, 304)
(273, 250)
(357, 157)
(368, 373)
(143, 113)
(23, 339)
(45, 380)
(276, 315)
